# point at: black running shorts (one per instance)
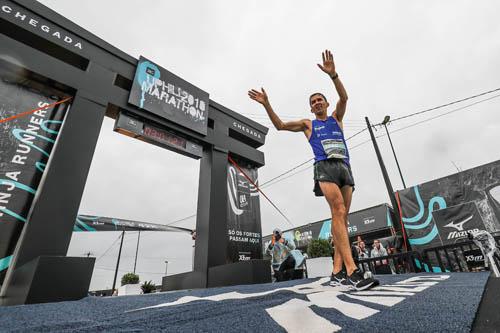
(334, 171)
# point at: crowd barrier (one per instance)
(462, 256)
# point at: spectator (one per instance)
(282, 260)
(362, 250)
(391, 250)
(363, 253)
(378, 250)
(381, 267)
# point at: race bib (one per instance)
(334, 148)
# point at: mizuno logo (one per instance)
(460, 225)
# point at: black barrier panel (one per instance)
(25, 146)
(159, 91)
(480, 186)
(463, 256)
(243, 215)
(399, 263)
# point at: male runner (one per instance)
(332, 172)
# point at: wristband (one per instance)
(335, 76)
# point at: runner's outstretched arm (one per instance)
(329, 68)
(292, 126)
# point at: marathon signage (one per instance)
(161, 92)
(22, 17)
(243, 217)
(248, 131)
(454, 223)
(442, 211)
(25, 146)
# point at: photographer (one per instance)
(282, 260)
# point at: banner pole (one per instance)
(118, 263)
(137, 249)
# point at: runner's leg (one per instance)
(340, 237)
(347, 196)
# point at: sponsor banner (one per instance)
(25, 146)
(474, 259)
(163, 93)
(455, 222)
(87, 223)
(478, 189)
(359, 223)
(369, 220)
(243, 216)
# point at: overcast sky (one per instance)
(393, 57)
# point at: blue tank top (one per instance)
(327, 140)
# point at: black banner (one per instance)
(434, 210)
(165, 94)
(87, 223)
(243, 215)
(455, 222)
(359, 223)
(25, 146)
(369, 220)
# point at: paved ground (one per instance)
(415, 302)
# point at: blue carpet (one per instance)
(411, 302)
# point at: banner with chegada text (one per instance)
(25, 146)
(243, 215)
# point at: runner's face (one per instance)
(318, 104)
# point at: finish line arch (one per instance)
(43, 51)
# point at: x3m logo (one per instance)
(296, 314)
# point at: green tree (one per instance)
(130, 278)
(319, 248)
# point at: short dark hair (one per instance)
(317, 93)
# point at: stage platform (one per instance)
(446, 302)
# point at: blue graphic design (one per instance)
(84, 226)
(21, 187)
(389, 220)
(426, 239)
(5, 262)
(441, 203)
(45, 128)
(417, 217)
(145, 79)
(40, 166)
(115, 222)
(18, 132)
(326, 229)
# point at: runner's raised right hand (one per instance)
(259, 96)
